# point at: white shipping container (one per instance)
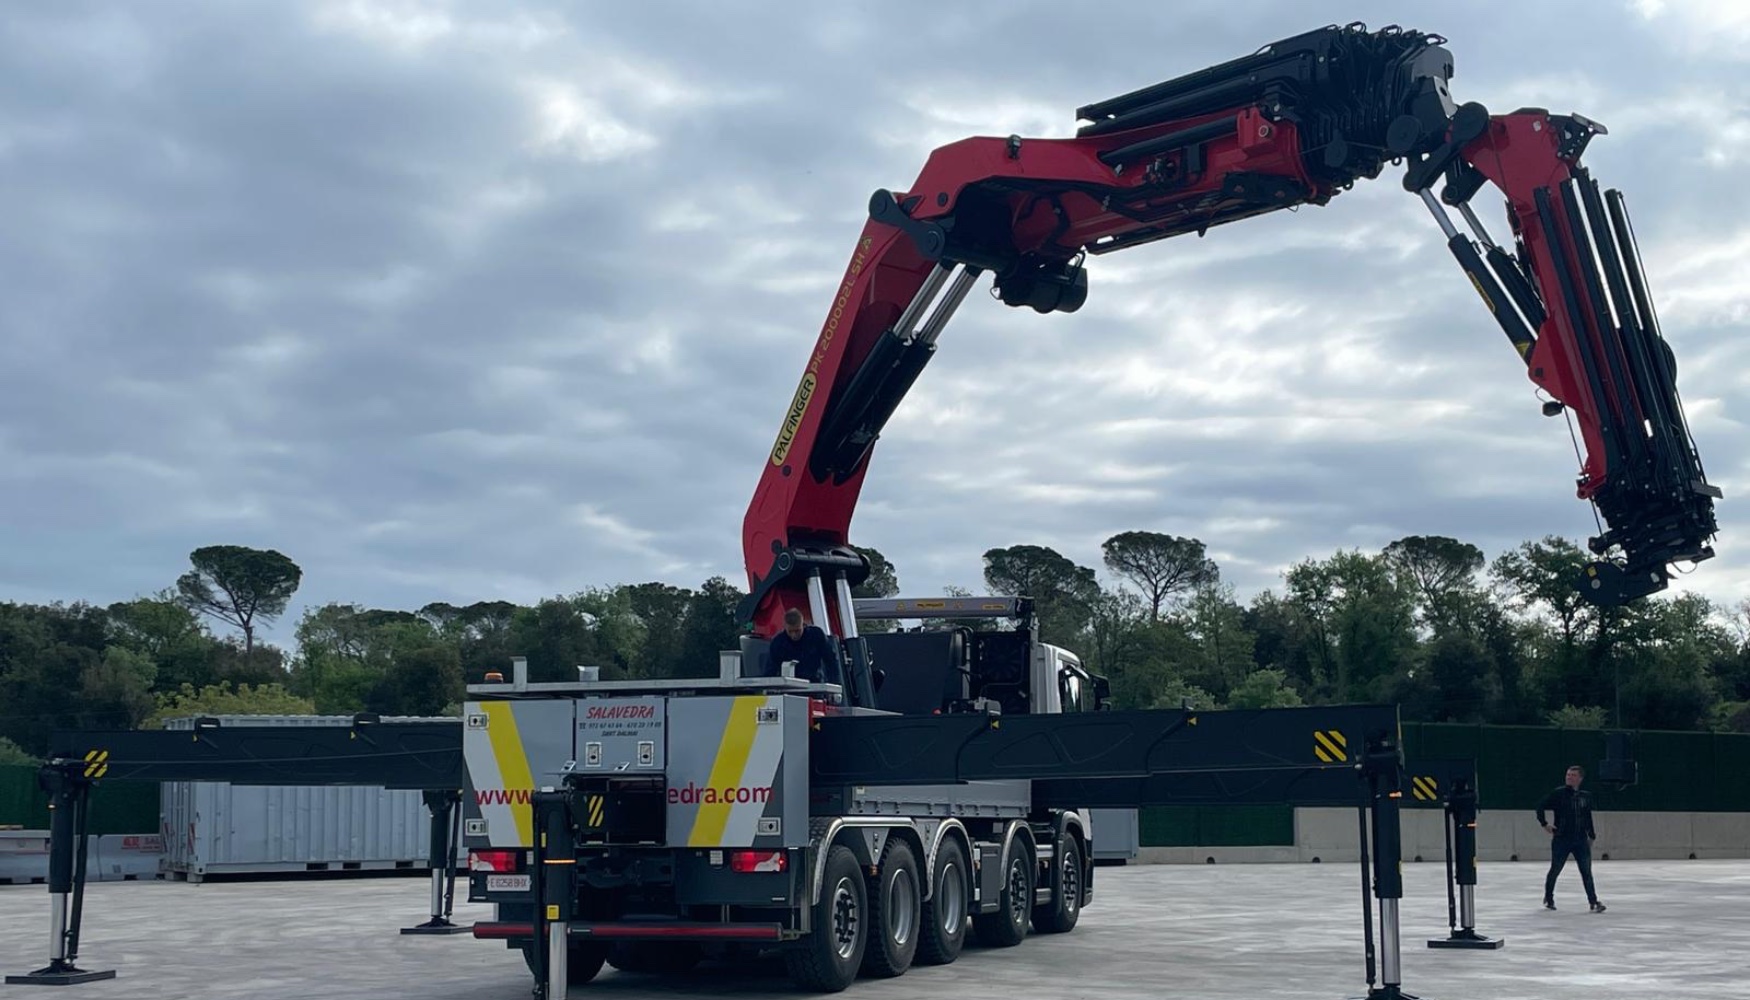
(217, 828)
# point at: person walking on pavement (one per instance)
(1569, 825)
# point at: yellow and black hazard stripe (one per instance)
(594, 812)
(1425, 788)
(1330, 746)
(96, 763)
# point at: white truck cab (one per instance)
(1062, 685)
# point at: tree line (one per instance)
(1426, 622)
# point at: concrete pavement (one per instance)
(1205, 931)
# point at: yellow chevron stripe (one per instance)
(95, 763)
(1325, 743)
(513, 764)
(727, 769)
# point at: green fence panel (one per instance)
(1217, 826)
(1661, 757)
(1411, 735)
(1246, 826)
(1527, 764)
(1732, 771)
(1700, 780)
(119, 807)
(125, 807)
(1167, 826)
(1448, 740)
(1518, 765)
(21, 801)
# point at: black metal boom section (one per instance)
(1356, 99)
(1574, 282)
(1146, 754)
(1576, 277)
(369, 751)
(392, 754)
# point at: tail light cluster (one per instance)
(820, 708)
(759, 861)
(495, 861)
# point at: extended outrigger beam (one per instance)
(1326, 756)
(413, 755)
(1343, 755)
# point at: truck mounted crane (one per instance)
(1296, 123)
(940, 785)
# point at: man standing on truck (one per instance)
(1571, 833)
(804, 644)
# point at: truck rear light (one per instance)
(820, 708)
(495, 861)
(759, 861)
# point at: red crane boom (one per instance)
(1296, 123)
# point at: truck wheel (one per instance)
(1007, 927)
(894, 913)
(826, 961)
(1065, 908)
(581, 966)
(942, 930)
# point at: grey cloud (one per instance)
(309, 278)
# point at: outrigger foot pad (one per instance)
(1467, 939)
(60, 974)
(438, 927)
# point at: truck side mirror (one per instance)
(1102, 694)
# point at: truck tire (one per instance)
(582, 965)
(827, 960)
(1065, 908)
(1007, 926)
(895, 911)
(942, 929)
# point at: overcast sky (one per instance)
(503, 300)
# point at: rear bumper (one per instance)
(639, 930)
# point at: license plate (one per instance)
(507, 883)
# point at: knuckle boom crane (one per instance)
(1296, 123)
(641, 822)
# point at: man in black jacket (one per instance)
(1569, 825)
(807, 646)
